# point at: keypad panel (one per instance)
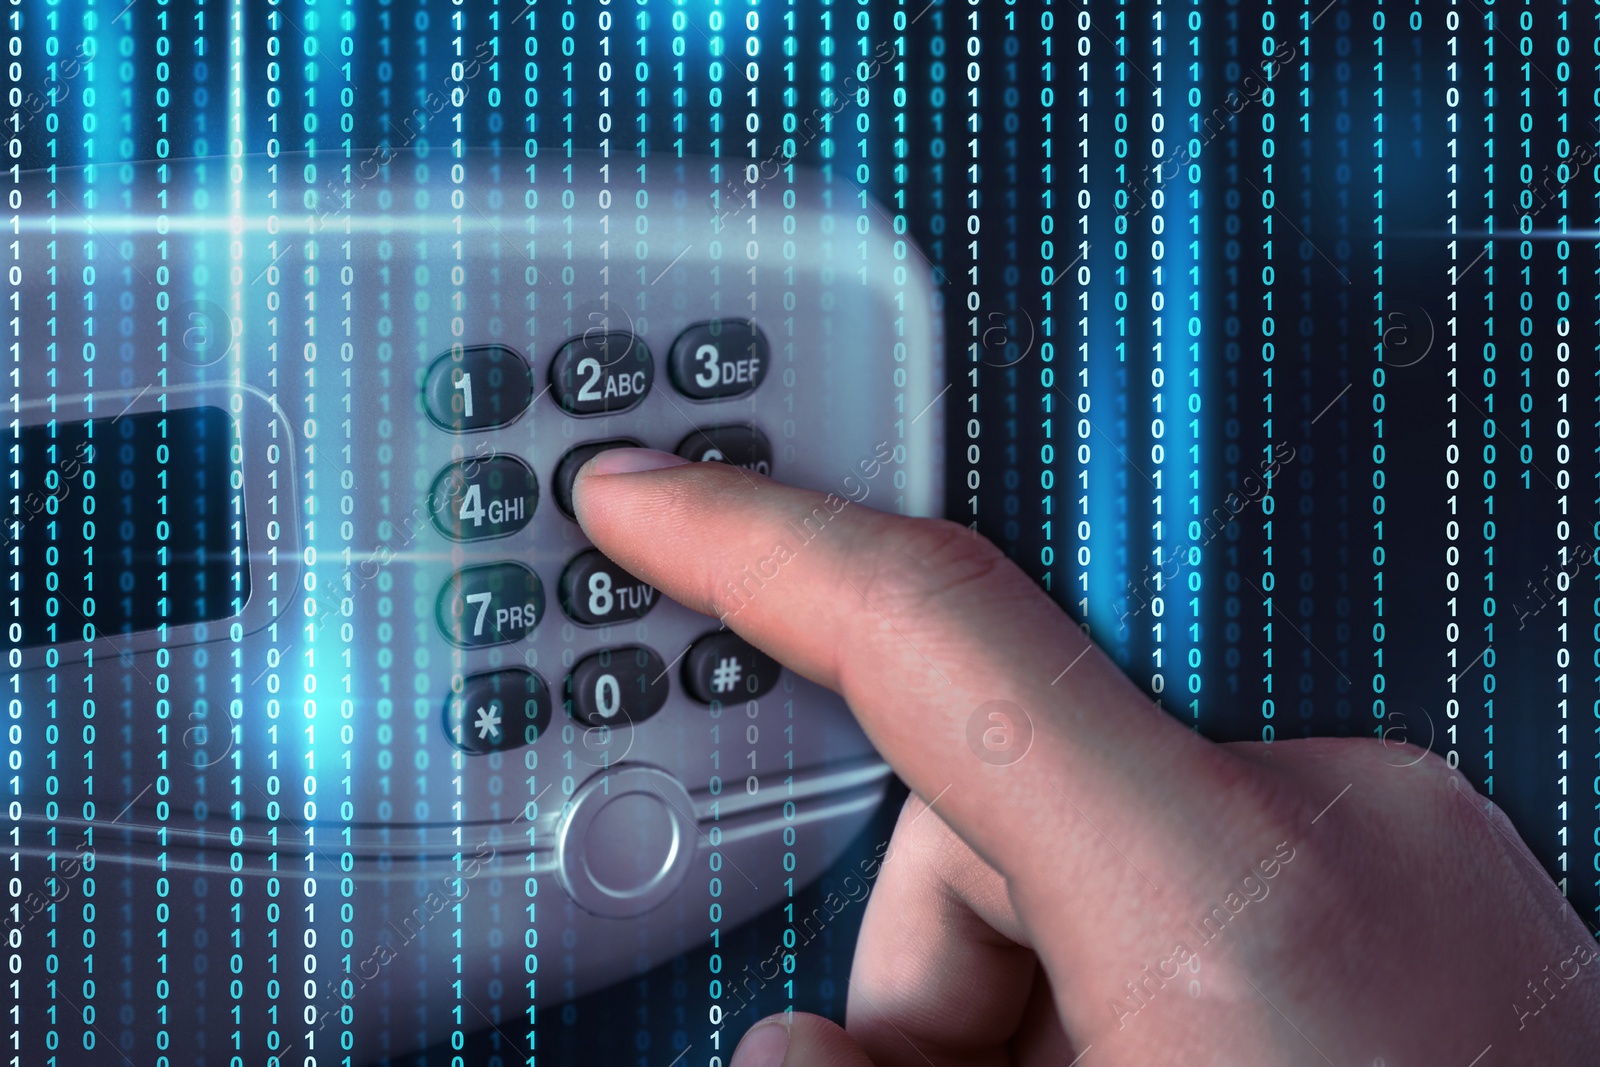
(495, 495)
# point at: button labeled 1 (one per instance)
(477, 388)
(718, 359)
(601, 373)
(497, 710)
(597, 592)
(475, 499)
(617, 687)
(490, 605)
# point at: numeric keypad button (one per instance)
(742, 446)
(724, 666)
(617, 687)
(477, 388)
(719, 359)
(567, 469)
(490, 605)
(597, 592)
(476, 499)
(601, 373)
(497, 710)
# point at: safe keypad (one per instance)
(495, 494)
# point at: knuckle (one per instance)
(926, 562)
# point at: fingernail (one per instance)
(632, 461)
(764, 1046)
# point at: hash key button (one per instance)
(475, 499)
(719, 359)
(477, 388)
(724, 666)
(497, 710)
(601, 373)
(597, 592)
(489, 605)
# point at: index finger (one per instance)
(937, 642)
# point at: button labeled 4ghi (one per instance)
(474, 499)
(490, 605)
(597, 592)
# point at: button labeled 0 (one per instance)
(617, 687)
(476, 499)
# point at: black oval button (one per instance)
(617, 687)
(497, 710)
(477, 388)
(718, 359)
(742, 446)
(567, 469)
(490, 605)
(475, 499)
(724, 666)
(601, 373)
(597, 592)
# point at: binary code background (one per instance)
(1272, 328)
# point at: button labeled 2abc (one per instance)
(490, 605)
(601, 373)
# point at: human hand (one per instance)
(1122, 891)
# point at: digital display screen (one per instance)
(124, 524)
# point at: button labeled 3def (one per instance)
(718, 359)
(490, 605)
(476, 499)
(497, 710)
